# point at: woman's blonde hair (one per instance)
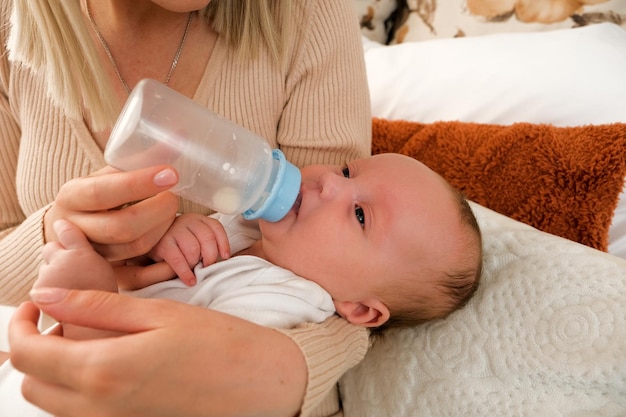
(52, 38)
(245, 23)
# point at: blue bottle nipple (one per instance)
(283, 192)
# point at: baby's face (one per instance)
(358, 225)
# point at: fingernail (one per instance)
(166, 178)
(48, 295)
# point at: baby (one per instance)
(383, 242)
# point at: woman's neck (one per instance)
(144, 40)
(133, 20)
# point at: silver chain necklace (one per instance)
(107, 50)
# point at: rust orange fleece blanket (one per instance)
(562, 180)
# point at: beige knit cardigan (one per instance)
(316, 110)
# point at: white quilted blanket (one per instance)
(544, 336)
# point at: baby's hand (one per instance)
(192, 237)
(71, 262)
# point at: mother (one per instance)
(290, 70)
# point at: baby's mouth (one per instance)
(297, 203)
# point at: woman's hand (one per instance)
(175, 360)
(93, 204)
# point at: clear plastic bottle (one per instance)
(220, 165)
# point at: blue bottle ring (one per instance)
(283, 193)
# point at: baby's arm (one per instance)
(192, 238)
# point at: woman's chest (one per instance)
(53, 150)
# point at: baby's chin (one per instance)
(277, 229)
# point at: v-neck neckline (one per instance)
(202, 93)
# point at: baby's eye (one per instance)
(358, 211)
(360, 215)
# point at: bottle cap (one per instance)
(283, 193)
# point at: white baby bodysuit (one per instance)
(245, 286)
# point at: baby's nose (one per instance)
(332, 185)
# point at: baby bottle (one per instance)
(220, 164)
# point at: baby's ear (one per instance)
(369, 313)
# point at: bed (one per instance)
(529, 123)
(546, 333)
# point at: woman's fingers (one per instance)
(132, 231)
(31, 352)
(102, 310)
(46, 357)
(70, 378)
(55, 399)
(70, 236)
(103, 192)
(92, 203)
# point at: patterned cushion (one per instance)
(430, 19)
(375, 17)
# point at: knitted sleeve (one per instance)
(13, 222)
(20, 237)
(327, 118)
(329, 349)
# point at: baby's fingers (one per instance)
(179, 255)
(134, 277)
(213, 240)
(49, 251)
(182, 269)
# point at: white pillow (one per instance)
(545, 335)
(566, 77)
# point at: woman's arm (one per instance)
(330, 349)
(245, 369)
